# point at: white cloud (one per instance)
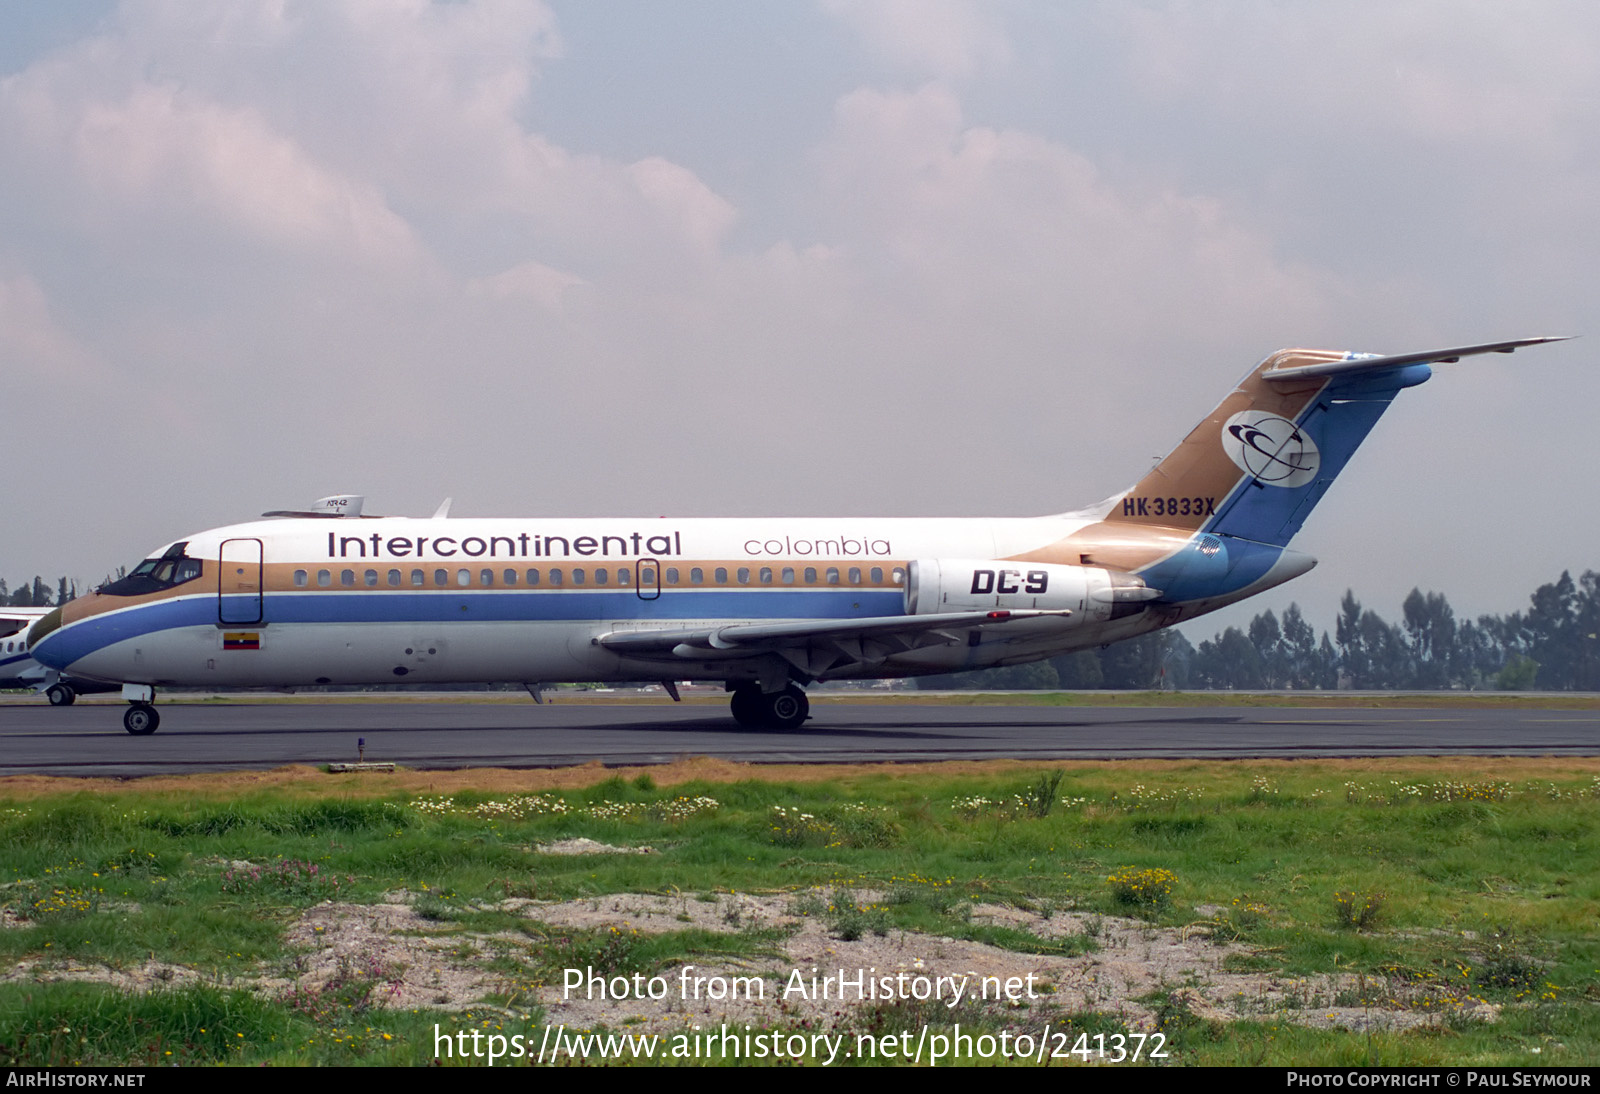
(941, 38)
(36, 354)
(1482, 73)
(533, 281)
(164, 152)
(682, 201)
(1007, 221)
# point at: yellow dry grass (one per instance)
(312, 782)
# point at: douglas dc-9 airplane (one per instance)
(764, 606)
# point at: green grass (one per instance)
(1477, 886)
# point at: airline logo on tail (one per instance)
(1273, 450)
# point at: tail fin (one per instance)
(1258, 464)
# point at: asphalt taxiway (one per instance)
(87, 739)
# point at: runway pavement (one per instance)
(87, 739)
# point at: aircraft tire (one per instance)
(747, 707)
(786, 709)
(60, 695)
(141, 719)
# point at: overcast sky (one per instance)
(909, 257)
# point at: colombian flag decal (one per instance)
(241, 640)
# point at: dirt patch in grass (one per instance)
(1136, 971)
(390, 954)
(143, 977)
(397, 955)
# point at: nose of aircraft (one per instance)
(45, 624)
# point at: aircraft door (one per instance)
(239, 574)
(649, 584)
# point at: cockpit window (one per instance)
(155, 574)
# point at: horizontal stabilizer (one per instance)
(1354, 364)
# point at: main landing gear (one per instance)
(786, 709)
(60, 695)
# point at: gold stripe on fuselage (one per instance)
(677, 576)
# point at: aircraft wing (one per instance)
(13, 620)
(814, 646)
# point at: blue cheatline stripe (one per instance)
(67, 644)
(13, 660)
(70, 643)
(569, 605)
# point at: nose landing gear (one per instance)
(141, 719)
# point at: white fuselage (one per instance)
(389, 600)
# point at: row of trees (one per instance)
(37, 594)
(1552, 646)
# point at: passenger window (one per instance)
(533, 577)
(788, 575)
(486, 578)
(394, 579)
(601, 576)
(417, 578)
(855, 575)
(744, 575)
(721, 576)
(624, 575)
(697, 576)
(371, 578)
(899, 576)
(441, 578)
(300, 579)
(324, 578)
(347, 577)
(647, 575)
(672, 575)
(555, 575)
(511, 577)
(766, 575)
(578, 575)
(463, 577)
(833, 575)
(811, 575)
(877, 575)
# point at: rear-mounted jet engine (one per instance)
(1092, 594)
